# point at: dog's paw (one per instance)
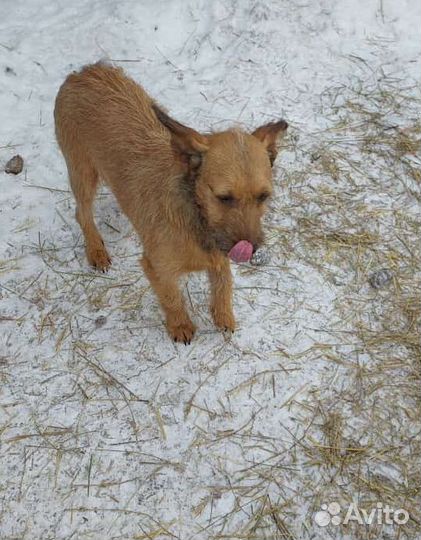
(99, 259)
(224, 320)
(182, 332)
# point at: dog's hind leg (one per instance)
(84, 182)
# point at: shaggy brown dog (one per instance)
(191, 197)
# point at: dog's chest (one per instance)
(196, 259)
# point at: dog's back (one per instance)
(104, 119)
(102, 97)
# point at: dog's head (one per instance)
(232, 171)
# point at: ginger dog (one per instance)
(194, 199)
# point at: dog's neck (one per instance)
(205, 236)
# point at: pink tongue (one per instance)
(241, 252)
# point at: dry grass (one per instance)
(357, 213)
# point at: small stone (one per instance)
(381, 278)
(260, 257)
(14, 165)
(100, 321)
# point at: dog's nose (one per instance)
(256, 242)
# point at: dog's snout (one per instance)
(254, 239)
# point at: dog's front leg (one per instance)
(221, 295)
(179, 324)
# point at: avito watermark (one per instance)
(333, 514)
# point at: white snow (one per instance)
(113, 431)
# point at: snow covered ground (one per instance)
(108, 429)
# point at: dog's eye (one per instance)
(226, 199)
(262, 197)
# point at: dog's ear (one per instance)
(269, 134)
(186, 140)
